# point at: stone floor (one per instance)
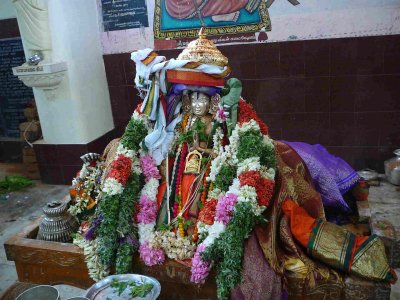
(384, 206)
(18, 209)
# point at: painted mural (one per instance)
(318, 19)
(175, 19)
(173, 23)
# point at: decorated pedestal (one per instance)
(44, 262)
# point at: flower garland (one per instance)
(154, 245)
(147, 215)
(240, 186)
(97, 270)
(85, 187)
(251, 154)
(112, 226)
(173, 245)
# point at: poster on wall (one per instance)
(225, 21)
(172, 22)
(124, 14)
(321, 19)
(14, 95)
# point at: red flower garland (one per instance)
(264, 190)
(247, 112)
(250, 178)
(207, 213)
(264, 187)
(120, 169)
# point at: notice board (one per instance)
(124, 14)
(14, 95)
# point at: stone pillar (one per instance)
(76, 116)
(81, 111)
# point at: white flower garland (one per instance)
(150, 189)
(146, 232)
(131, 154)
(112, 187)
(97, 270)
(244, 193)
(249, 164)
(174, 246)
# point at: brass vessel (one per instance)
(58, 224)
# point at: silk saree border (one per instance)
(211, 31)
(368, 264)
(332, 245)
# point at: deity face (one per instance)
(200, 103)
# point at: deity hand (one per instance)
(207, 151)
(197, 146)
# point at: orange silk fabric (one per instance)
(301, 223)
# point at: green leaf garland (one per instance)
(117, 210)
(227, 250)
(107, 238)
(125, 228)
(134, 134)
(225, 177)
(123, 264)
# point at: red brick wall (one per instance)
(341, 93)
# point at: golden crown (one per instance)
(204, 51)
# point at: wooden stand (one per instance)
(43, 262)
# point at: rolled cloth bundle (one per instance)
(331, 244)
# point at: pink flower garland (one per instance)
(225, 207)
(223, 214)
(147, 210)
(200, 268)
(148, 168)
(151, 256)
(148, 213)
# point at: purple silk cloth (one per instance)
(331, 175)
(259, 279)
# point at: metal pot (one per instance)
(392, 168)
(58, 224)
(368, 174)
(40, 292)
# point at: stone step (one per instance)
(364, 212)
(384, 204)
